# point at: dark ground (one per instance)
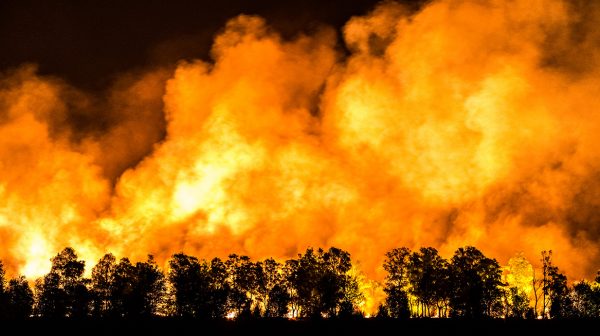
(416, 327)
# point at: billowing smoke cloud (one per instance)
(465, 123)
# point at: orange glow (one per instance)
(466, 123)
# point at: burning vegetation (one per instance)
(317, 284)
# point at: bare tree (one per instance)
(537, 285)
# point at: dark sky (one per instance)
(89, 42)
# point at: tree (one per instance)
(427, 275)
(201, 288)
(320, 283)
(475, 281)
(217, 294)
(4, 311)
(396, 303)
(584, 298)
(546, 264)
(556, 300)
(443, 289)
(185, 278)
(491, 275)
(518, 303)
(537, 286)
(50, 297)
(272, 288)
(340, 292)
(243, 280)
(303, 276)
(397, 266)
(70, 272)
(290, 271)
(122, 287)
(148, 288)
(103, 278)
(20, 298)
(351, 298)
(560, 301)
(279, 299)
(596, 294)
(63, 292)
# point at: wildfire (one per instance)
(464, 123)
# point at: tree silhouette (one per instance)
(546, 264)
(148, 288)
(537, 286)
(63, 292)
(397, 265)
(272, 290)
(70, 272)
(303, 279)
(3, 294)
(243, 277)
(339, 290)
(476, 282)
(20, 298)
(396, 304)
(596, 295)
(320, 283)
(201, 288)
(291, 271)
(50, 298)
(351, 297)
(427, 275)
(122, 288)
(102, 286)
(556, 301)
(560, 301)
(218, 289)
(316, 284)
(187, 281)
(585, 300)
(517, 303)
(279, 299)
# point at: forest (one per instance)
(317, 285)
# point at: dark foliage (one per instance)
(63, 292)
(475, 282)
(318, 284)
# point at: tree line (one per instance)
(316, 284)
(423, 284)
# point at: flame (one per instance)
(37, 256)
(520, 274)
(463, 123)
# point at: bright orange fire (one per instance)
(466, 123)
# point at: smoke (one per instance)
(464, 123)
(49, 190)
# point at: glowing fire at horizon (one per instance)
(465, 123)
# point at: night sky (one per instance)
(89, 42)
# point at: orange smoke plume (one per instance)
(465, 123)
